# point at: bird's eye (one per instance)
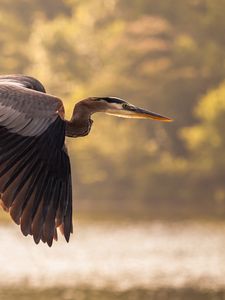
(129, 107)
(126, 106)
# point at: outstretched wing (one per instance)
(35, 176)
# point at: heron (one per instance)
(35, 171)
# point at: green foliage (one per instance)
(162, 55)
(207, 145)
(87, 293)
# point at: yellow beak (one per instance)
(133, 112)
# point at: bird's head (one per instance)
(81, 122)
(120, 108)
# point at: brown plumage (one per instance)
(35, 174)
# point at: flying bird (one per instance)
(35, 172)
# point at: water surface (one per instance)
(120, 256)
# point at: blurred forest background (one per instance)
(167, 56)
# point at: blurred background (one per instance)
(149, 198)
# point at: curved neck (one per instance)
(80, 123)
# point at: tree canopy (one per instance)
(167, 56)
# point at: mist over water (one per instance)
(120, 256)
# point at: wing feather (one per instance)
(35, 175)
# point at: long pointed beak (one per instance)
(133, 112)
(140, 113)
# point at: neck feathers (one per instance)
(80, 123)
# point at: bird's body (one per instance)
(35, 173)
